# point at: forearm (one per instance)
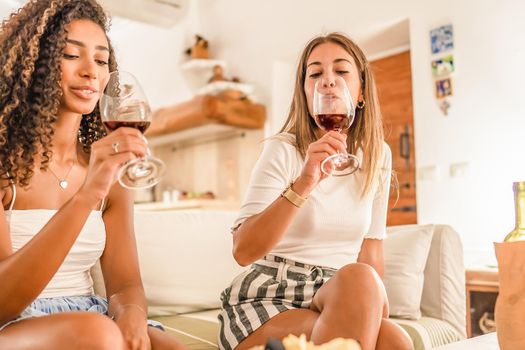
(378, 265)
(372, 253)
(25, 273)
(131, 297)
(261, 232)
(376, 262)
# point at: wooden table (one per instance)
(482, 287)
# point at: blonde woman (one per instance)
(314, 241)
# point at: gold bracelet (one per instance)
(293, 197)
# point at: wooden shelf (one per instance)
(218, 86)
(200, 65)
(204, 115)
(197, 72)
(203, 133)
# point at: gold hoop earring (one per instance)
(361, 104)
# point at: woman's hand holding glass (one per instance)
(124, 104)
(105, 162)
(330, 144)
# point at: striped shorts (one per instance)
(48, 306)
(272, 285)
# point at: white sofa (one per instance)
(186, 261)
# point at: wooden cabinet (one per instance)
(482, 286)
(394, 84)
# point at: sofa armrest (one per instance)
(444, 287)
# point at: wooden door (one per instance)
(394, 83)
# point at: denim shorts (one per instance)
(48, 306)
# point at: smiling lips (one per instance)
(84, 92)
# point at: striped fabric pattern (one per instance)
(271, 286)
(428, 332)
(47, 306)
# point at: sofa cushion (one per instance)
(428, 332)
(185, 259)
(199, 330)
(406, 250)
(444, 288)
(199, 264)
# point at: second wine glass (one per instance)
(124, 104)
(334, 110)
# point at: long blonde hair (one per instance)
(366, 133)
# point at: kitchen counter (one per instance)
(213, 204)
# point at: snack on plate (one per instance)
(340, 344)
(291, 342)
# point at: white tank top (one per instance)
(73, 277)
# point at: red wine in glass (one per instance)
(115, 124)
(133, 115)
(337, 122)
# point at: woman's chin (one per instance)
(82, 109)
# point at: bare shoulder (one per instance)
(5, 241)
(5, 192)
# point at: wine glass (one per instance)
(334, 110)
(124, 104)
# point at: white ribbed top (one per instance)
(73, 276)
(330, 227)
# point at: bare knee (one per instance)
(358, 275)
(354, 284)
(95, 331)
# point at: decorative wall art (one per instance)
(442, 65)
(443, 88)
(442, 39)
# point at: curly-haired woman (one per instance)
(62, 209)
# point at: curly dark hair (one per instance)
(32, 42)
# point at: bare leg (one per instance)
(162, 341)
(71, 330)
(292, 321)
(351, 305)
(392, 336)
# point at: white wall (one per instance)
(486, 123)
(487, 116)
(154, 55)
